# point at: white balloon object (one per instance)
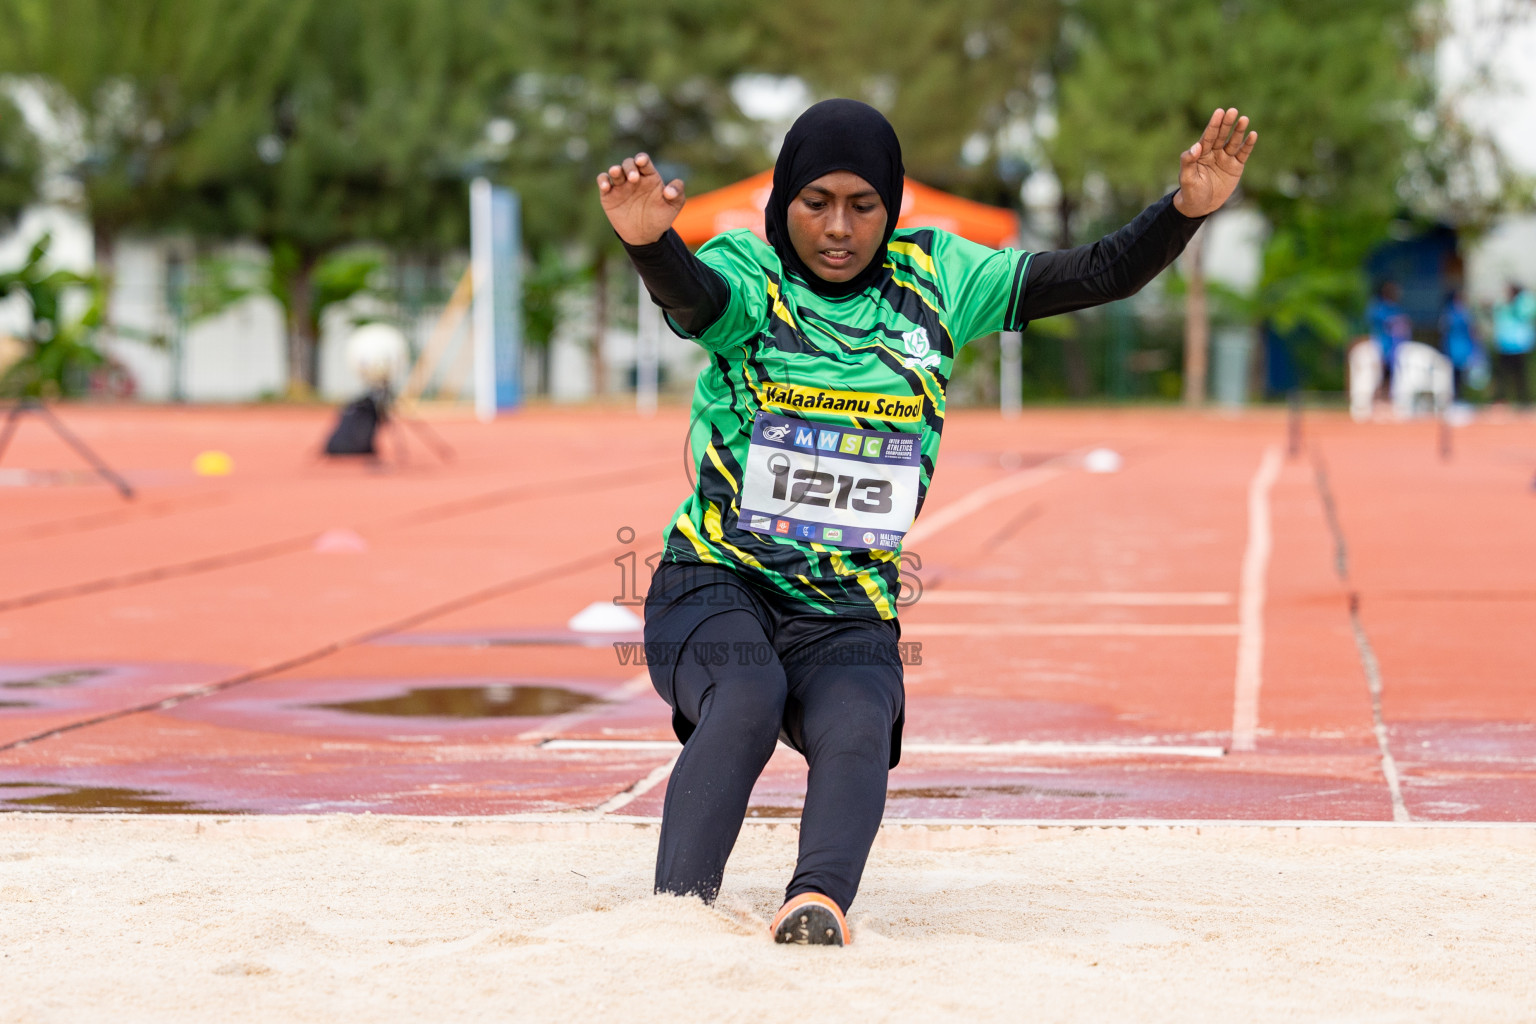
(377, 353)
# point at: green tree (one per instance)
(146, 93)
(311, 126)
(60, 349)
(20, 163)
(955, 79)
(1332, 90)
(305, 126)
(606, 79)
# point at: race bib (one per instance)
(845, 487)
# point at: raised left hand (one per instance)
(1210, 169)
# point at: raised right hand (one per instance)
(638, 205)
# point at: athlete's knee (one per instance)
(861, 732)
(754, 701)
(747, 705)
(859, 722)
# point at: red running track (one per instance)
(303, 637)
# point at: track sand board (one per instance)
(364, 919)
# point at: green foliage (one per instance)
(60, 349)
(313, 127)
(1329, 87)
(604, 79)
(544, 281)
(1333, 91)
(222, 280)
(945, 74)
(306, 126)
(20, 163)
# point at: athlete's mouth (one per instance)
(836, 255)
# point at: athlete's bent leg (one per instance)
(737, 707)
(848, 713)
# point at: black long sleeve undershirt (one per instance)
(1115, 267)
(691, 292)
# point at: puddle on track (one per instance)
(96, 800)
(52, 680)
(47, 681)
(496, 701)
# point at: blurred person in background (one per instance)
(1390, 326)
(1514, 335)
(814, 435)
(1458, 338)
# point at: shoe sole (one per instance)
(809, 925)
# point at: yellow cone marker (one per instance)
(213, 464)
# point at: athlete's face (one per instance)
(835, 224)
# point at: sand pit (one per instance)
(388, 919)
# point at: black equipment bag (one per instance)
(355, 430)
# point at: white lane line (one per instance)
(1378, 720)
(1115, 598)
(1044, 749)
(927, 834)
(639, 789)
(933, 522)
(671, 745)
(926, 629)
(1250, 609)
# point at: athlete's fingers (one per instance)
(1242, 154)
(616, 174)
(1190, 155)
(603, 184)
(1212, 132)
(673, 192)
(643, 161)
(631, 172)
(1223, 131)
(1235, 141)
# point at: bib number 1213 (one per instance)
(828, 490)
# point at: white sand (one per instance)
(391, 919)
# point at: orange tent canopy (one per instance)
(741, 206)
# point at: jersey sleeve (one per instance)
(982, 287)
(734, 256)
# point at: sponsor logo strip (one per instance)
(885, 446)
(823, 533)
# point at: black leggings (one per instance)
(741, 668)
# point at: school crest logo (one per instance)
(921, 353)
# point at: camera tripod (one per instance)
(37, 408)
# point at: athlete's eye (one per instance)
(869, 208)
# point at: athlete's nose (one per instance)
(839, 225)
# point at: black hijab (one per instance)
(835, 135)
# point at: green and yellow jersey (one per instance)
(853, 388)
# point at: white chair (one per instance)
(1420, 371)
(1364, 378)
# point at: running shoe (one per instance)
(811, 919)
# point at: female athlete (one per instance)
(814, 435)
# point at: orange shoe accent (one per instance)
(819, 922)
